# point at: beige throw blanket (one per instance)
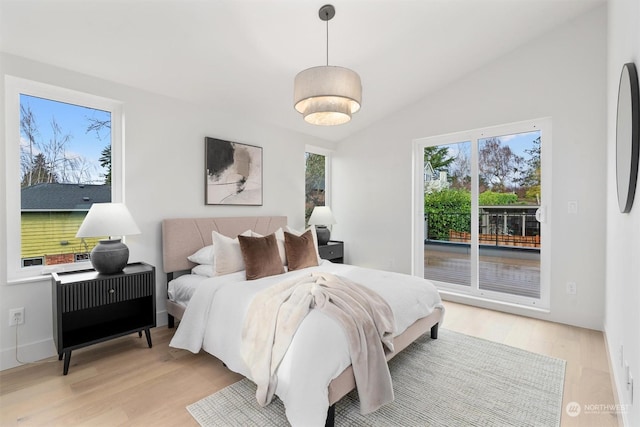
(275, 314)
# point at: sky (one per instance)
(519, 142)
(73, 121)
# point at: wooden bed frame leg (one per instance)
(434, 331)
(331, 416)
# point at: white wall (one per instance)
(565, 74)
(622, 312)
(561, 75)
(164, 158)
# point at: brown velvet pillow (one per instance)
(300, 250)
(261, 256)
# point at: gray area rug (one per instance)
(456, 380)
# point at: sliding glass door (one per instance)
(447, 212)
(480, 208)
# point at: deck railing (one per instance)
(514, 229)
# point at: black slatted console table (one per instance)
(89, 307)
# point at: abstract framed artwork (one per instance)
(233, 173)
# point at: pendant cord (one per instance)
(327, 14)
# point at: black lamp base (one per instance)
(323, 234)
(109, 256)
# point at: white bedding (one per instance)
(182, 288)
(318, 352)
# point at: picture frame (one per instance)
(233, 173)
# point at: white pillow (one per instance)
(204, 270)
(300, 233)
(279, 240)
(203, 256)
(227, 253)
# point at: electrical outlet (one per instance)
(572, 207)
(571, 288)
(16, 316)
(627, 374)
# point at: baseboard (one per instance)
(30, 352)
(621, 415)
(491, 304)
(38, 350)
(161, 318)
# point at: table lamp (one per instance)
(109, 256)
(321, 217)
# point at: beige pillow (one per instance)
(227, 253)
(301, 252)
(261, 256)
(313, 232)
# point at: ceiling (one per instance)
(241, 56)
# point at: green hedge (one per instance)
(489, 198)
(447, 210)
(451, 210)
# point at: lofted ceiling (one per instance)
(241, 56)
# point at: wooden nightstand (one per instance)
(332, 251)
(89, 307)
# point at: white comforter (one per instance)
(319, 351)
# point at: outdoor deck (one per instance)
(513, 274)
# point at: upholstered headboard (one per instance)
(182, 237)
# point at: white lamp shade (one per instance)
(108, 219)
(327, 95)
(322, 215)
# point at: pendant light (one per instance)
(327, 95)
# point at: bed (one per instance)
(182, 237)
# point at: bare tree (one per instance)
(97, 126)
(499, 166)
(81, 172)
(55, 152)
(49, 162)
(460, 169)
(29, 129)
(531, 177)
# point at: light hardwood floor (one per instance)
(122, 382)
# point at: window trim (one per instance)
(14, 86)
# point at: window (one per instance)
(483, 195)
(317, 179)
(63, 154)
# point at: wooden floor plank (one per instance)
(122, 382)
